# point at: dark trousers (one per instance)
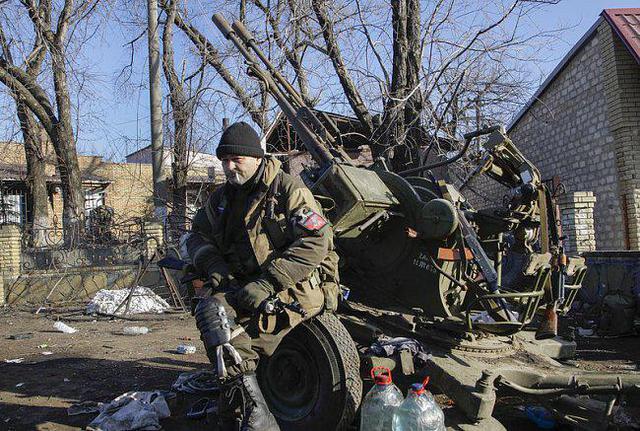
(252, 342)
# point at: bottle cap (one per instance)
(420, 388)
(381, 375)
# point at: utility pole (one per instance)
(155, 105)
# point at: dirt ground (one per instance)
(97, 363)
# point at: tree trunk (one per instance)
(415, 98)
(393, 124)
(34, 137)
(65, 148)
(37, 196)
(182, 114)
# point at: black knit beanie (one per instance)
(239, 139)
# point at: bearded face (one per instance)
(239, 169)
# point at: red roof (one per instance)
(626, 23)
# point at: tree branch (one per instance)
(333, 51)
(15, 85)
(212, 57)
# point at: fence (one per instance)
(99, 255)
(95, 243)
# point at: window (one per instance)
(12, 207)
(92, 200)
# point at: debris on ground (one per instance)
(135, 330)
(186, 349)
(387, 346)
(201, 408)
(14, 361)
(23, 336)
(62, 327)
(196, 382)
(622, 418)
(132, 411)
(541, 417)
(586, 332)
(485, 317)
(83, 408)
(142, 300)
(617, 314)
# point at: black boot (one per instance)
(241, 403)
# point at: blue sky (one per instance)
(118, 123)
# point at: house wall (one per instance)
(572, 131)
(130, 193)
(621, 75)
(128, 187)
(567, 133)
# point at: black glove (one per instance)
(253, 294)
(223, 283)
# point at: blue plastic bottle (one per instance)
(376, 413)
(419, 411)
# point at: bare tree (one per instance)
(210, 55)
(182, 113)
(55, 115)
(35, 139)
(425, 93)
(416, 74)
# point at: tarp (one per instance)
(143, 300)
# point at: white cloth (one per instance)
(132, 411)
(144, 300)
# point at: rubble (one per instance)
(132, 411)
(142, 300)
(62, 327)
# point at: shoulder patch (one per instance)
(309, 220)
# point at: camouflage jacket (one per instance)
(291, 246)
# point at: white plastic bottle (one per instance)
(419, 411)
(376, 413)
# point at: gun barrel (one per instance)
(250, 41)
(310, 130)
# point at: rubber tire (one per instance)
(333, 359)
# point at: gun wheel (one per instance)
(312, 381)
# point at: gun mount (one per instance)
(421, 261)
(416, 241)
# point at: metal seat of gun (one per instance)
(525, 294)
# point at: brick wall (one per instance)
(569, 132)
(130, 193)
(10, 237)
(577, 221)
(621, 75)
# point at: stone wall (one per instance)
(621, 75)
(72, 284)
(567, 132)
(27, 276)
(10, 250)
(577, 221)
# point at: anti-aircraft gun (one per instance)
(416, 242)
(421, 262)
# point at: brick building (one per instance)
(583, 124)
(126, 187)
